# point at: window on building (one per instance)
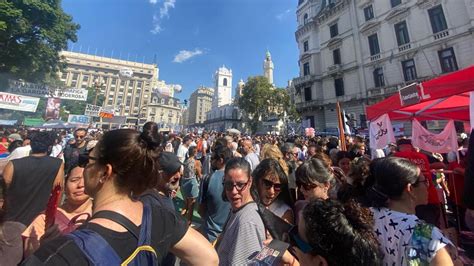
(333, 30)
(379, 80)
(306, 69)
(305, 18)
(130, 84)
(401, 31)
(225, 82)
(307, 94)
(447, 60)
(409, 70)
(339, 86)
(311, 121)
(305, 46)
(395, 2)
(437, 19)
(336, 55)
(75, 76)
(64, 75)
(85, 78)
(369, 13)
(374, 44)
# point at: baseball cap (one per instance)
(15, 136)
(169, 162)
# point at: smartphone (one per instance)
(52, 206)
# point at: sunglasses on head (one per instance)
(229, 185)
(297, 241)
(269, 184)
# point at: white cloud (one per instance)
(283, 15)
(164, 12)
(167, 5)
(185, 55)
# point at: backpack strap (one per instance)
(96, 249)
(120, 219)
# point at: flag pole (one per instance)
(342, 137)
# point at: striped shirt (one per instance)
(243, 236)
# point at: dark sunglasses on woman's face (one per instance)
(306, 186)
(269, 184)
(229, 185)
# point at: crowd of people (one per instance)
(89, 197)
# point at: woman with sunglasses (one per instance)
(270, 185)
(123, 164)
(314, 179)
(329, 233)
(244, 231)
(399, 186)
(76, 209)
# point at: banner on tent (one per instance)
(381, 132)
(18, 102)
(409, 95)
(443, 142)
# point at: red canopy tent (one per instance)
(442, 98)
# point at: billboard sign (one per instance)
(44, 91)
(79, 119)
(92, 110)
(18, 102)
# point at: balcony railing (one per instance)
(334, 69)
(375, 57)
(404, 47)
(303, 80)
(441, 35)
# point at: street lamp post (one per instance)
(98, 83)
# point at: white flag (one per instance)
(381, 132)
(443, 142)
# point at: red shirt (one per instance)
(422, 162)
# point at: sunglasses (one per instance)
(297, 241)
(269, 184)
(229, 185)
(305, 186)
(422, 179)
(79, 137)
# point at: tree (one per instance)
(32, 32)
(260, 100)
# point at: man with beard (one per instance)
(168, 183)
(212, 207)
(165, 191)
(72, 151)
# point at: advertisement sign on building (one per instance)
(44, 91)
(18, 102)
(53, 107)
(79, 119)
(107, 112)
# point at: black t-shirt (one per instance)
(168, 228)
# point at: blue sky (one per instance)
(191, 38)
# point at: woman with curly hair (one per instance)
(330, 233)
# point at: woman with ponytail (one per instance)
(122, 165)
(398, 187)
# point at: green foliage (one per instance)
(260, 100)
(32, 32)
